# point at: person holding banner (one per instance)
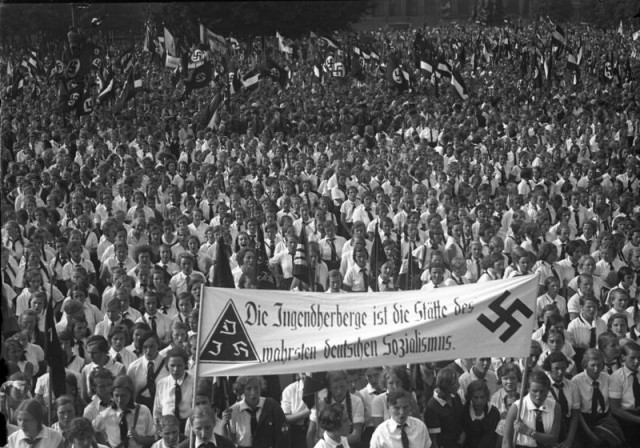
(535, 419)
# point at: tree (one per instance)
(556, 10)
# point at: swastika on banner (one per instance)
(505, 316)
(229, 342)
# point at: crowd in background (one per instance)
(115, 221)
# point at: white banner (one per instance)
(254, 332)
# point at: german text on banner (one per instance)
(254, 332)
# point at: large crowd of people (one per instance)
(115, 222)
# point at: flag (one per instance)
(107, 91)
(282, 46)
(216, 43)
(9, 69)
(222, 276)
(33, 62)
(443, 69)
(276, 72)
(170, 43)
(126, 60)
(377, 258)
(251, 79)
(300, 262)
(558, 36)
(54, 354)
(396, 76)
(149, 44)
(621, 29)
(427, 67)
(635, 35)
(326, 42)
(458, 83)
(85, 105)
(210, 114)
(17, 88)
(200, 78)
(132, 84)
(572, 62)
(312, 384)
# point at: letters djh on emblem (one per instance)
(229, 340)
(505, 315)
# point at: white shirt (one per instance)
(108, 421)
(388, 434)
(47, 438)
(164, 402)
(291, 402)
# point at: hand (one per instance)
(226, 415)
(521, 427)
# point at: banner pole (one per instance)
(197, 360)
(525, 379)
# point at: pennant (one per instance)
(107, 91)
(128, 91)
(300, 262)
(265, 277)
(377, 258)
(170, 43)
(458, 84)
(558, 36)
(222, 276)
(282, 46)
(210, 114)
(54, 354)
(572, 62)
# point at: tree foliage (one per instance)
(609, 13)
(556, 10)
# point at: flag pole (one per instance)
(50, 412)
(195, 380)
(525, 379)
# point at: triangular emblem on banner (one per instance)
(229, 342)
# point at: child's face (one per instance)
(252, 393)
(335, 283)
(203, 427)
(611, 350)
(339, 390)
(385, 271)
(632, 361)
(37, 303)
(524, 264)
(620, 326)
(509, 382)
(361, 259)
(593, 368)
(103, 388)
(179, 337)
(171, 434)
(437, 275)
(176, 367)
(552, 288)
(558, 371)
(589, 309)
(113, 314)
(121, 254)
(150, 349)
(478, 399)
(186, 265)
(619, 302)
(150, 305)
(118, 341)
(555, 343)
(184, 305)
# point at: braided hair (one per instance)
(332, 377)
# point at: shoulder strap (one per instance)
(155, 375)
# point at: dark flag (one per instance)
(264, 276)
(200, 78)
(396, 76)
(127, 93)
(85, 105)
(558, 37)
(210, 114)
(300, 262)
(54, 354)
(222, 276)
(107, 91)
(278, 73)
(126, 60)
(312, 385)
(377, 258)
